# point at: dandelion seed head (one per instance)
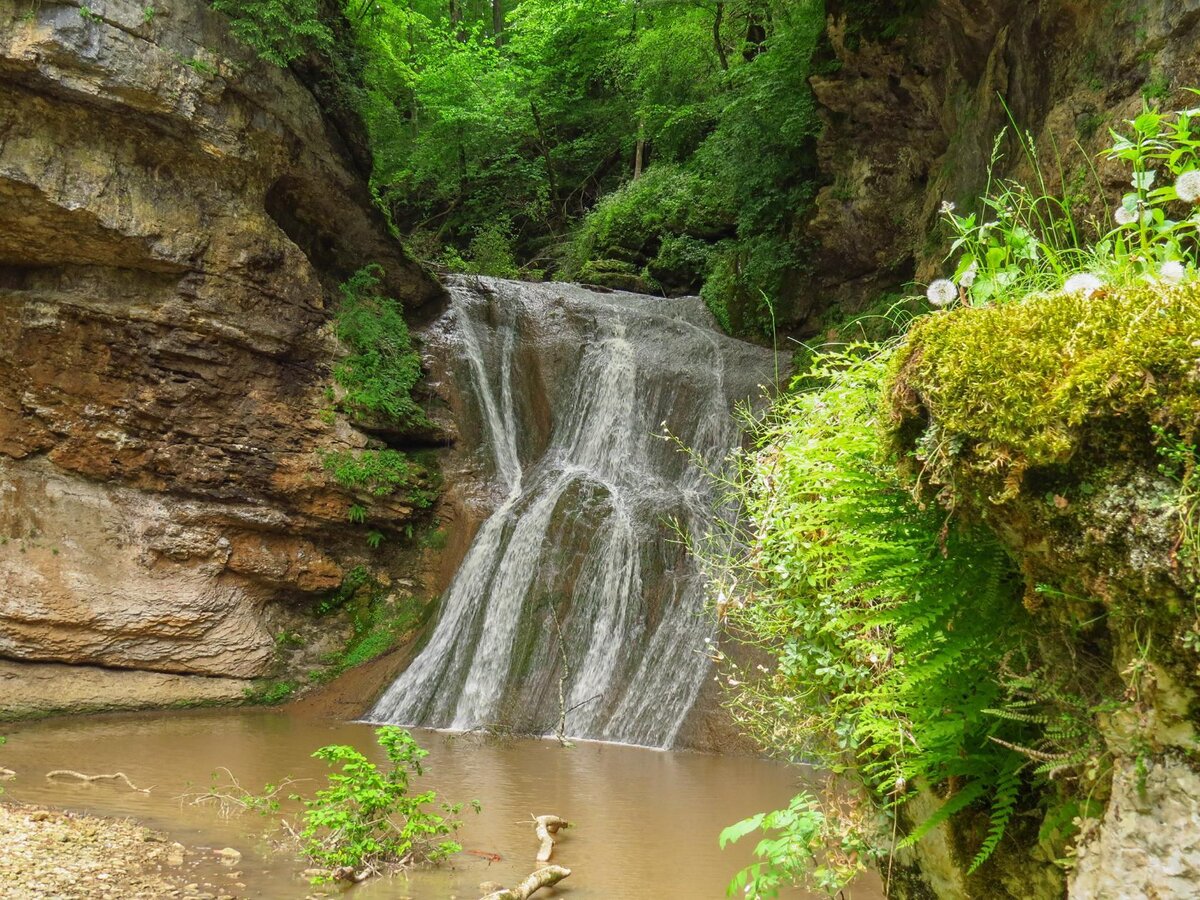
(967, 278)
(1084, 283)
(942, 292)
(1187, 186)
(1125, 216)
(1172, 272)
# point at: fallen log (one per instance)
(546, 827)
(546, 877)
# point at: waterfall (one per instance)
(583, 556)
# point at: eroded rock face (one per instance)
(910, 122)
(1148, 844)
(174, 216)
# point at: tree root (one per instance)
(546, 877)
(115, 776)
(546, 827)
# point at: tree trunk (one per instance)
(541, 878)
(639, 154)
(720, 44)
(498, 21)
(456, 18)
(756, 32)
(537, 119)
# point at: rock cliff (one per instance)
(174, 218)
(910, 120)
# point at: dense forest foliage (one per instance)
(655, 145)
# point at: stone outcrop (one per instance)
(174, 217)
(910, 121)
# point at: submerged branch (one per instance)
(546, 877)
(115, 776)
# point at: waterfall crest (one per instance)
(582, 556)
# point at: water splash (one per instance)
(584, 539)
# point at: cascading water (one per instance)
(581, 570)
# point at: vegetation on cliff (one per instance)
(971, 550)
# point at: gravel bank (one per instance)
(64, 856)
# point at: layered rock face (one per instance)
(911, 121)
(174, 217)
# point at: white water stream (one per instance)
(585, 541)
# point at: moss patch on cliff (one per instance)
(1003, 389)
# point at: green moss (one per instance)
(270, 693)
(379, 620)
(1023, 385)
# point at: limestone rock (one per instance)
(174, 218)
(1148, 845)
(34, 689)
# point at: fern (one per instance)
(892, 625)
(1004, 803)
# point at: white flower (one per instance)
(942, 292)
(1187, 186)
(1084, 283)
(1172, 272)
(1124, 216)
(947, 207)
(967, 278)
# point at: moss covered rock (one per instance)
(1069, 425)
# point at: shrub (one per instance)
(382, 368)
(378, 472)
(658, 224)
(278, 30)
(367, 818)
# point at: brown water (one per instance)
(645, 821)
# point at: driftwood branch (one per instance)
(546, 877)
(546, 827)
(561, 731)
(115, 776)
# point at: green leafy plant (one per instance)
(378, 472)
(368, 818)
(799, 846)
(1027, 240)
(382, 368)
(278, 30)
